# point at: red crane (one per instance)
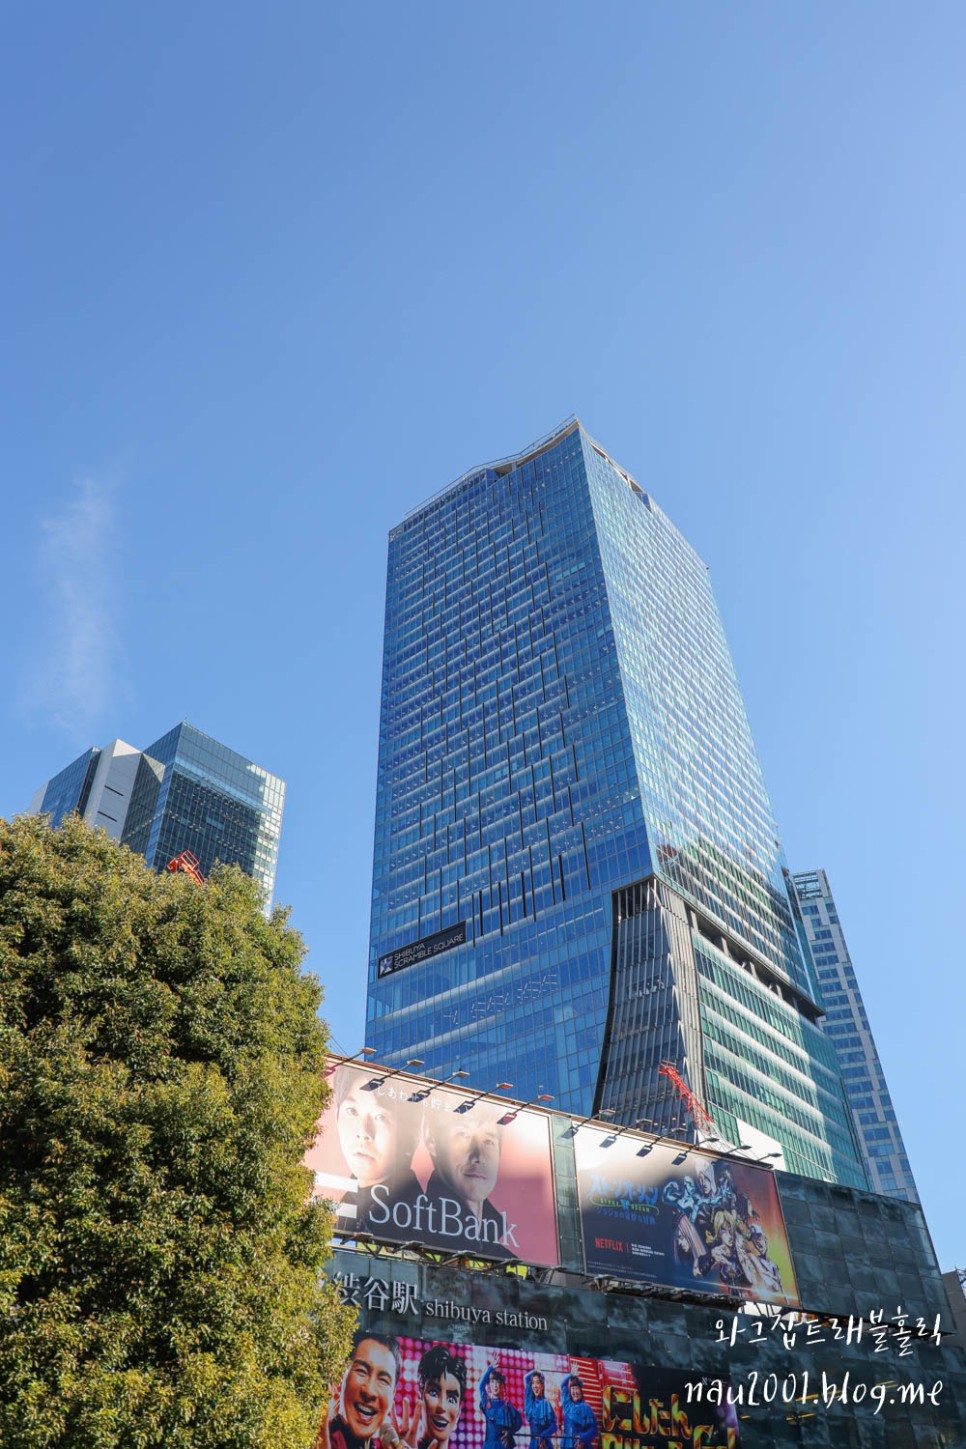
(699, 1113)
(188, 864)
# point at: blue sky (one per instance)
(273, 275)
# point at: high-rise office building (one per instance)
(184, 792)
(577, 874)
(848, 1026)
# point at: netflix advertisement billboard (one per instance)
(408, 1393)
(682, 1219)
(405, 1161)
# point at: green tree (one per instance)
(161, 1072)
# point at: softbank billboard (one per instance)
(410, 1162)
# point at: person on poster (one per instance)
(580, 1422)
(442, 1388)
(378, 1139)
(503, 1419)
(762, 1273)
(698, 1205)
(725, 1431)
(539, 1411)
(723, 1250)
(465, 1150)
(362, 1410)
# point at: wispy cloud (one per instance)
(77, 668)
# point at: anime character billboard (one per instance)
(404, 1393)
(709, 1224)
(409, 1162)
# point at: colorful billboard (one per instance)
(405, 1393)
(410, 1162)
(682, 1219)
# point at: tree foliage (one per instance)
(161, 1072)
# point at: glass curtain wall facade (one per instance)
(571, 818)
(185, 792)
(68, 791)
(193, 793)
(847, 1026)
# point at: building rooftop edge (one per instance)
(186, 724)
(516, 460)
(513, 460)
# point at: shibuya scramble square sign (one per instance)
(413, 1163)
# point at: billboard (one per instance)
(682, 1219)
(407, 1393)
(410, 1162)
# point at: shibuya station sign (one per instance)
(383, 1295)
(682, 1219)
(422, 950)
(406, 1161)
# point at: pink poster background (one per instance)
(387, 1123)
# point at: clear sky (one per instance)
(273, 274)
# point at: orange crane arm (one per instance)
(188, 864)
(695, 1106)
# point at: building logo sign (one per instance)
(406, 1161)
(682, 1219)
(383, 1295)
(422, 950)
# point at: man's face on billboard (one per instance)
(368, 1388)
(466, 1154)
(441, 1401)
(367, 1135)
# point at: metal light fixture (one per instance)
(333, 1067)
(485, 1092)
(414, 1062)
(456, 1076)
(512, 1115)
(619, 1131)
(594, 1117)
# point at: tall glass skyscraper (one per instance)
(577, 874)
(847, 1024)
(184, 792)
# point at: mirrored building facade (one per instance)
(577, 873)
(187, 791)
(847, 1025)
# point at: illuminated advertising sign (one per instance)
(409, 1162)
(406, 1393)
(682, 1219)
